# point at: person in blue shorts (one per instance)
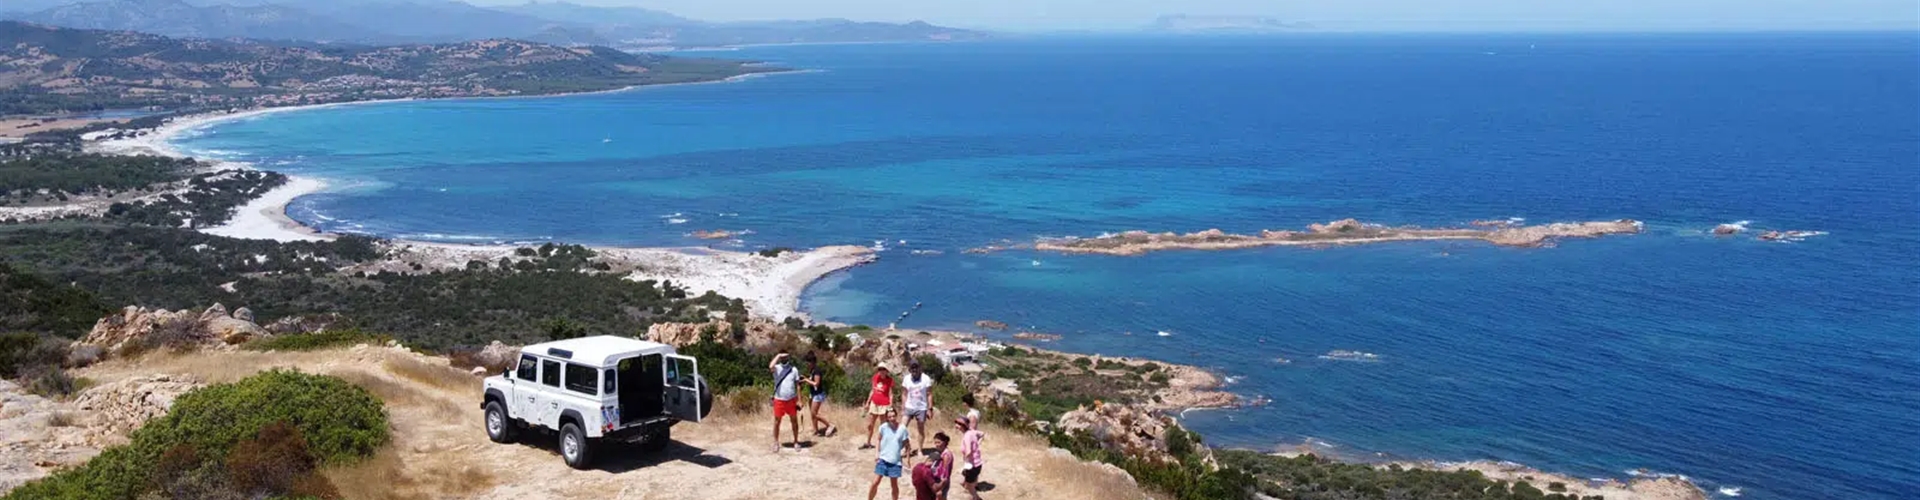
(816, 381)
(893, 442)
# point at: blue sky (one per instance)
(1363, 15)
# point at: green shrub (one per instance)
(727, 367)
(316, 341)
(27, 354)
(338, 422)
(748, 400)
(56, 384)
(853, 388)
(36, 304)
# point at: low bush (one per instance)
(1189, 477)
(316, 341)
(748, 400)
(852, 390)
(83, 356)
(189, 452)
(25, 355)
(727, 368)
(56, 384)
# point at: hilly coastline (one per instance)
(89, 232)
(49, 69)
(439, 21)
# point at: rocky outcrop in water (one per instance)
(1339, 232)
(1124, 429)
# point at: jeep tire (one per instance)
(500, 427)
(575, 448)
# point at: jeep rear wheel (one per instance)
(574, 446)
(499, 427)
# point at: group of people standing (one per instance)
(932, 477)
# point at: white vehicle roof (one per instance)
(601, 350)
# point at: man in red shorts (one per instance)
(786, 398)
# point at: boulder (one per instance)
(114, 331)
(234, 330)
(302, 324)
(119, 407)
(159, 327)
(497, 354)
(216, 312)
(1727, 229)
(243, 314)
(1123, 429)
(761, 336)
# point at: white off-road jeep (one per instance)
(593, 389)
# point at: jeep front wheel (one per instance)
(574, 447)
(499, 428)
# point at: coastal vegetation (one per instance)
(64, 175)
(177, 268)
(46, 67)
(265, 436)
(1310, 477)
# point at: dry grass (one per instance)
(441, 376)
(401, 395)
(388, 476)
(60, 419)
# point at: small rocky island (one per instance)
(1341, 232)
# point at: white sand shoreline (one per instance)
(265, 218)
(771, 286)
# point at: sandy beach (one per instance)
(770, 286)
(265, 218)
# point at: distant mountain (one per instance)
(568, 36)
(430, 21)
(588, 15)
(47, 69)
(1181, 23)
(178, 18)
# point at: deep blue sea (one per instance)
(1789, 370)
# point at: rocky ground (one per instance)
(441, 452)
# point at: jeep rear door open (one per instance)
(683, 388)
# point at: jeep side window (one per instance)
(529, 368)
(606, 381)
(550, 373)
(582, 379)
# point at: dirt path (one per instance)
(440, 451)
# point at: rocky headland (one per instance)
(1340, 232)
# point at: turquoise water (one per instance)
(1789, 370)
